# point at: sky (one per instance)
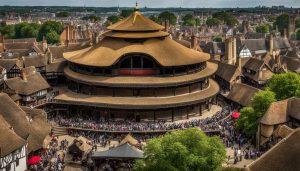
(153, 3)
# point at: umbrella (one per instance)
(34, 160)
(235, 115)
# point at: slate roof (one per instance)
(122, 151)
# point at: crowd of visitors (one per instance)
(207, 124)
(52, 159)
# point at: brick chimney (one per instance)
(271, 43)
(194, 43)
(285, 33)
(67, 35)
(167, 26)
(230, 50)
(23, 74)
(44, 44)
(2, 45)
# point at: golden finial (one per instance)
(136, 6)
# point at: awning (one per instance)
(34, 160)
(124, 151)
(235, 115)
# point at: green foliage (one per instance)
(262, 28)
(297, 23)
(91, 18)
(213, 22)
(126, 13)
(8, 31)
(113, 19)
(52, 37)
(26, 30)
(227, 18)
(217, 39)
(279, 87)
(285, 85)
(248, 121)
(190, 20)
(154, 18)
(48, 28)
(282, 22)
(249, 117)
(164, 16)
(62, 14)
(262, 100)
(184, 150)
(298, 34)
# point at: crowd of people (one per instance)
(52, 159)
(207, 124)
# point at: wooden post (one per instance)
(172, 115)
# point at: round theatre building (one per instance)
(138, 72)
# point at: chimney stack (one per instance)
(44, 44)
(233, 50)
(194, 43)
(23, 74)
(271, 43)
(2, 45)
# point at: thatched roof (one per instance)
(254, 64)
(283, 156)
(124, 151)
(242, 94)
(14, 115)
(8, 64)
(227, 72)
(39, 128)
(147, 81)
(56, 66)
(140, 103)
(165, 51)
(279, 112)
(282, 131)
(80, 144)
(129, 139)
(33, 83)
(136, 22)
(9, 140)
(36, 61)
(136, 35)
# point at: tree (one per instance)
(8, 31)
(249, 116)
(262, 28)
(298, 34)
(282, 22)
(190, 20)
(154, 18)
(285, 85)
(225, 17)
(62, 14)
(126, 13)
(167, 16)
(231, 21)
(297, 22)
(217, 39)
(52, 37)
(247, 121)
(113, 19)
(213, 22)
(183, 150)
(262, 100)
(50, 26)
(91, 18)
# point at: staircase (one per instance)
(58, 131)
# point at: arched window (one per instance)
(136, 64)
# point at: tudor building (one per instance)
(138, 72)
